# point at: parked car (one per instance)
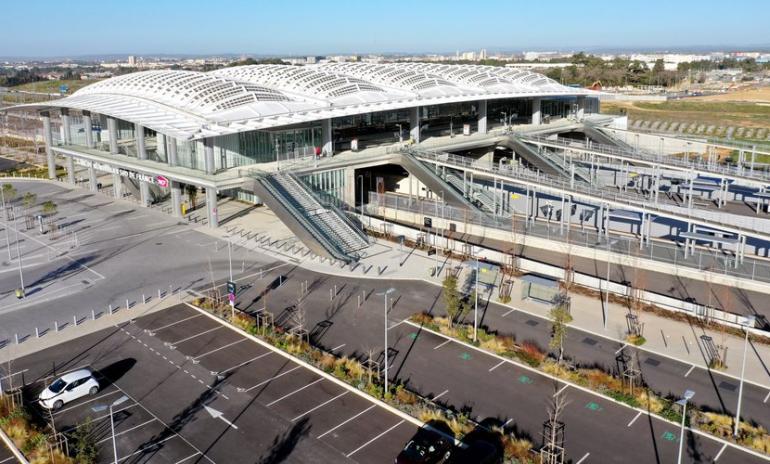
(477, 452)
(69, 387)
(426, 447)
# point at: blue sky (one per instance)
(80, 27)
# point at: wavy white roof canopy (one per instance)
(193, 105)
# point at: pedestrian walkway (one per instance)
(261, 231)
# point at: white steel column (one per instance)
(327, 149)
(208, 155)
(414, 124)
(112, 131)
(141, 149)
(176, 199)
(48, 136)
(482, 117)
(536, 117)
(211, 206)
(117, 186)
(92, 184)
(65, 124)
(171, 151)
(88, 129)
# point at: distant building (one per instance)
(131, 60)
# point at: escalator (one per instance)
(432, 180)
(598, 136)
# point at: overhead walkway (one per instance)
(546, 162)
(602, 138)
(324, 229)
(428, 175)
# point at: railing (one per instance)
(713, 261)
(546, 182)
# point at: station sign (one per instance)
(159, 180)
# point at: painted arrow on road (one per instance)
(219, 415)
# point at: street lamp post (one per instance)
(688, 394)
(476, 303)
(102, 407)
(18, 251)
(386, 293)
(5, 213)
(361, 177)
(749, 323)
(605, 312)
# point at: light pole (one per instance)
(386, 293)
(18, 252)
(360, 176)
(476, 303)
(605, 312)
(102, 407)
(5, 213)
(688, 394)
(749, 323)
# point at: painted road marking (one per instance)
(272, 378)
(505, 424)
(243, 363)
(346, 421)
(7, 460)
(441, 344)
(56, 413)
(337, 347)
(126, 431)
(583, 458)
(187, 458)
(465, 356)
(561, 389)
(634, 419)
(621, 348)
(175, 323)
(593, 406)
(766, 397)
(720, 452)
(668, 436)
(372, 440)
(321, 405)
(509, 312)
(689, 370)
(413, 335)
(524, 379)
(13, 374)
(440, 395)
(196, 335)
(295, 391)
(220, 348)
(496, 366)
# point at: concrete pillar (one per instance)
(48, 136)
(141, 149)
(482, 117)
(71, 170)
(211, 206)
(171, 151)
(327, 147)
(208, 155)
(581, 108)
(176, 199)
(144, 193)
(349, 192)
(92, 178)
(414, 124)
(65, 124)
(536, 118)
(87, 128)
(117, 186)
(112, 130)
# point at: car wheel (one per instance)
(58, 404)
(93, 391)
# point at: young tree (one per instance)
(560, 317)
(452, 300)
(29, 200)
(9, 192)
(49, 208)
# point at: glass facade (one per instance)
(441, 120)
(370, 129)
(331, 184)
(515, 111)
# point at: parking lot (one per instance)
(5, 456)
(197, 391)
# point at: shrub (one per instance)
(531, 354)
(422, 318)
(517, 448)
(404, 396)
(637, 340)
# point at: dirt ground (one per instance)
(756, 95)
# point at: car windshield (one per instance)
(57, 386)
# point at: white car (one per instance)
(69, 387)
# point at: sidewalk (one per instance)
(386, 261)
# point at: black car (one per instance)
(477, 452)
(426, 447)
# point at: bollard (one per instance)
(127, 305)
(331, 296)
(170, 290)
(110, 308)
(363, 295)
(335, 289)
(144, 300)
(74, 320)
(17, 339)
(93, 315)
(37, 333)
(56, 326)
(359, 301)
(159, 295)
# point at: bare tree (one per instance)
(552, 451)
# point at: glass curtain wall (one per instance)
(516, 111)
(370, 129)
(439, 120)
(331, 184)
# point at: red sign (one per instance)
(231, 298)
(162, 181)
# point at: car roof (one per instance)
(75, 375)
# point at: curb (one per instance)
(11, 446)
(589, 391)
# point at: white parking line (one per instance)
(220, 348)
(583, 458)
(496, 366)
(8, 460)
(125, 431)
(345, 422)
(719, 454)
(441, 344)
(185, 459)
(509, 312)
(766, 397)
(440, 395)
(372, 440)
(337, 347)
(295, 391)
(272, 378)
(622, 348)
(156, 443)
(634, 419)
(106, 416)
(195, 336)
(13, 374)
(321, 405)
(95, 398)
(174, 323)
(561, 389)
(689, 370)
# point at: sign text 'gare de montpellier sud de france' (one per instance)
(160, 181)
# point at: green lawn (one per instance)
(53, 86)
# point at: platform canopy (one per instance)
(193, 105)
